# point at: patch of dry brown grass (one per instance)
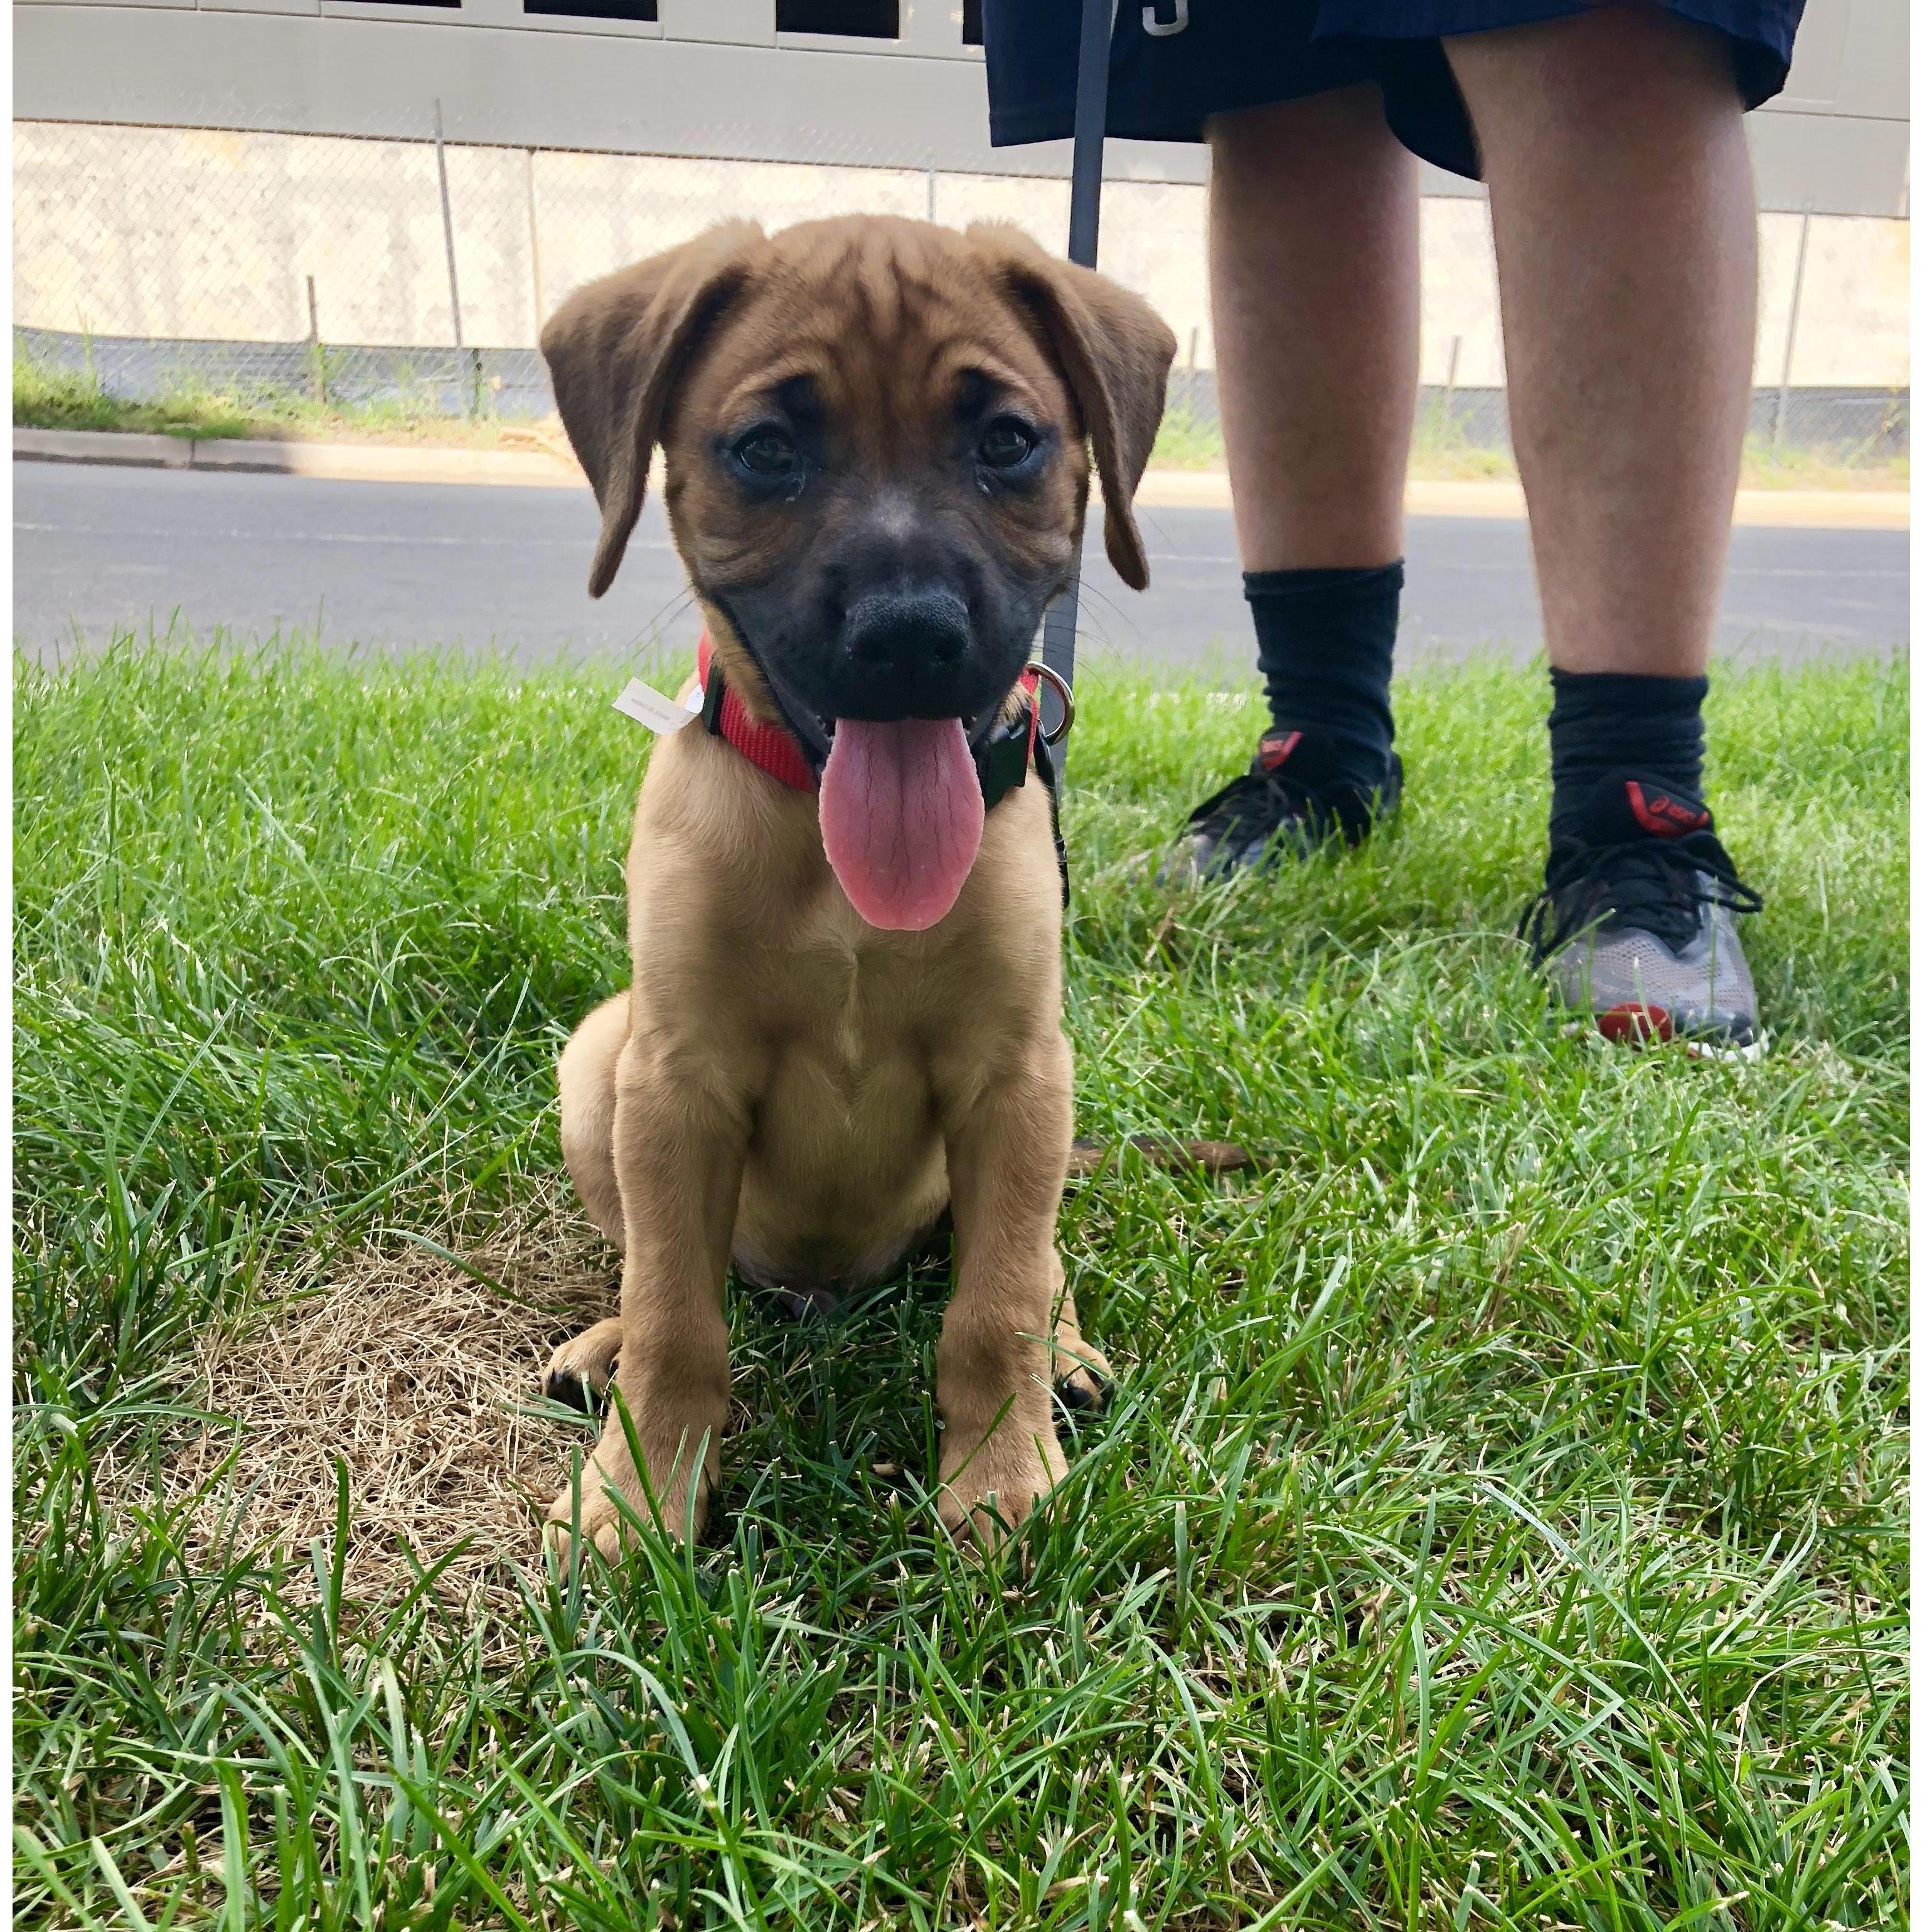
(423, 1380)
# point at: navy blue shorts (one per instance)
(1245, 53)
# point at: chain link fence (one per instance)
(410, 278)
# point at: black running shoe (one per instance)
(1290, 801)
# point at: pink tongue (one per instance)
(900, 812)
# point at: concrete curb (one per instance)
(351, 462)
(1160, 489)
(1761, 509)
(1823, 510)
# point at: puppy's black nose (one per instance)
(904, 648)
(909, 634)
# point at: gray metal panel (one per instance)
(1817, 61)
(91, 4)
(387, 9)
(262, 6)
(511, 87)
(1876, 76)
(1834, 164)
(1852, 58)
(749, 23)
(935, 27)
(509, 14)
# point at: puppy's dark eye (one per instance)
(766, 452)
(1007, 444)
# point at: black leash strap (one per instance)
(1083, 246)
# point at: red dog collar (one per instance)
(770, 747)
(776, 752)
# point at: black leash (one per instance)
(1083, 246)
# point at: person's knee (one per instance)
(1276, 139)
(1615, 66)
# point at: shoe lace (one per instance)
(1253, 803)
(1657, 884)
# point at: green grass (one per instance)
(48, 396)
(1768, 467)
(1186, 441)
(1440, 452)
(1501, 1521)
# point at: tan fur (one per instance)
(784, 1086)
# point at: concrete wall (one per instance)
(175, 233)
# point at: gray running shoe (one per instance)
(1290, 800)
(1637, 922)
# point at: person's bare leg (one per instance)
(1626, 240)
(1626, 236)
(1312, 263)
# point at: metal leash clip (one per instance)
(1065, 691)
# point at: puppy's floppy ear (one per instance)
(1115, 352)
(616, 350)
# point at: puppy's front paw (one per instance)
(611, 1483)
(600, 1523)
(1082, 1379)
(580, 1371)
(996, 1483)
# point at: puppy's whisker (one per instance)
(1110, 606)
(1101, 647)
(672, 607)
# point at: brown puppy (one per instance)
(875, 435)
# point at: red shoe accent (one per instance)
(1274, 752)
(1634, 1023)
(1663, 815)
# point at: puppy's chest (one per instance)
(852, 1013)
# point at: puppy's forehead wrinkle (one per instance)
(719, 565)
(973, 362)
(762, 389)
(888, 384)
(891, 305)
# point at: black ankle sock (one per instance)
(1326, 640)
(1603, 723)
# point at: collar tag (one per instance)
(651, 708)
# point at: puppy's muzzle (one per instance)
(906, 652)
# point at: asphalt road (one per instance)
(400, 566)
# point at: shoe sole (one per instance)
(1707, 1049)
(1635, 1024)
(1284, 845)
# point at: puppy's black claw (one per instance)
(571, 1390)
(1086, 1393)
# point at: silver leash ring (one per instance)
(1065, 691)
